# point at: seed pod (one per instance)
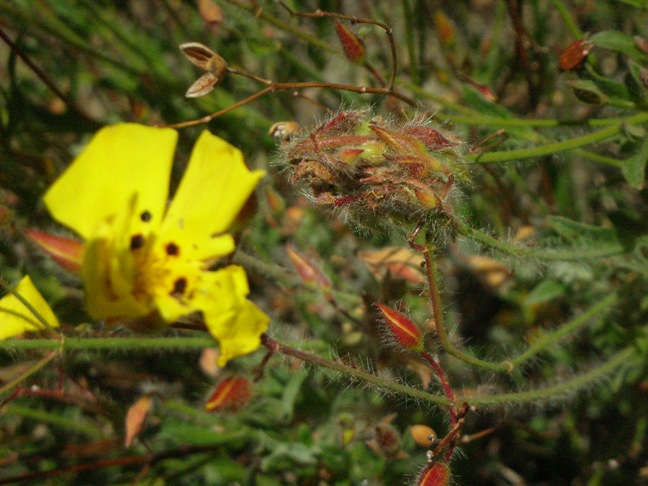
(207, 60)
(423, 435)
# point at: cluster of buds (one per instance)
(378, 171)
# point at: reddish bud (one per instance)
(351, 45)
(308, 271)
(641, 43)
(403, 330)
(275, 202)
(67, 252)
(574, 54)
(446, 31)
(437, 474)
(230, 394)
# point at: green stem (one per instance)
(409, 35)
(553, 148)
(563, 388)
(437, 309)
(119, 343)
(58, 29)
(262, 14)
(498, 122)
(572, 254)
(445, 102)
(27, 373)
(55, 419)
(272, 271)
(567, 18)
(566, 329)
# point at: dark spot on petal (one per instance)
(137, 241)
(172, 249)
(179, 287)
(146, 216)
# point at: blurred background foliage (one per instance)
(507, 69)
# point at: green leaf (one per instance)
(588, 92)
(544, 292)
(606, 241)
(619, 42)
(578, 232)
(635, 81)
(634, 168)
(290, 394)
(612, 88)
(635, 3)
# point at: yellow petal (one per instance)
(109, 270)
(119, 161)
(16, 319)
(213, 190)
(233, 320)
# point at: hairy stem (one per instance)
(563, 388)
(352, 373)
(571, 254)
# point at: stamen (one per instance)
(137, 241)
(179, 287)
(172, 249)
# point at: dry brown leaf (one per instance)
(400, 262)
(136, 417)
(211, 13)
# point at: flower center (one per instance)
(159, 271)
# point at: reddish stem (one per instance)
(444, 383)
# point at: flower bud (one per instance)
(575, 53)
(436, 474)
(230, 394)
(351, 45)
(67, 252)
(309, 272)
(403, 330)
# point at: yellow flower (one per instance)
(16, 318)
(141, 257)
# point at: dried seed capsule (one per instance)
(378, 172)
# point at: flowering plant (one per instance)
(142, 259)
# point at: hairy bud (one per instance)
(230, 394)
(403, 330)
(351, 45)
(378, 172)
(436, 474)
